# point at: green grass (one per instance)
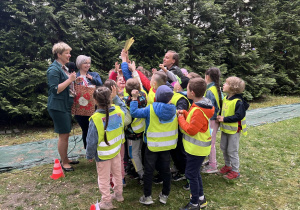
(269, 166)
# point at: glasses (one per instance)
(87, 63)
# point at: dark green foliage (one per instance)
(257, 40)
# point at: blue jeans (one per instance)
(192, 173)
(151, 158)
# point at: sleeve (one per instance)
(53, 77)
(182, 104)
(125, 70)
(96, 79)
(135, 74)
(117, 101)
(195, 124)
(145, 81)
(92, 141)
(113, 76)
(171, 76)
(138, 112)
(239, 114)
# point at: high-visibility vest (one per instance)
(161, 136)
(138, 125)
(151, 96)
(199, 144)
(228, 109)
(178, 96)
(214, 90)
(114, 137)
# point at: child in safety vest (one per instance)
(161, 134)
(194, 125)
(213, 92)
(104, 139)
(135, 130)
(232, 121)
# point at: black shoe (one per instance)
(67, 169)
(178, 176)
(157, 180)
(190, 206)
(203, 203)
(74, 162)
(186, 186)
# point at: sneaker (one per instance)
(157, 180)
(146, 200)
(202, 203)
(163, 198)
(178, 177)
(209, 169)
(232, 175)
(186, 186)
(205, 163)
(124, 182)
(225, 169)
(106, 205)
(118, 198)
(190, 206)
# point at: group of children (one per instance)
(171, 122)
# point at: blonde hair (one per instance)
(60, 47)
(236, 84)
(81, 59)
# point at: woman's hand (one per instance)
(163, 67)
(72, 76)
(89, 77)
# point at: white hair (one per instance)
(81, 59)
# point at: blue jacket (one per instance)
(92, 135)
(162, 110)
(56, 76)
(96, 78)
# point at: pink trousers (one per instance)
(214, 125)
(104, 169)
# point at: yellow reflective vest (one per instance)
(178, 96)
(199, 144)
(161, 136)
(214, 90)
(228, 109)
(151, 96)
(114, 137)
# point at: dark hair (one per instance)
(132, 84)
(160, 77)
(215, 74)
(192, 75)
(198, 86)
(102, 96)
(109, 82)
(175, 57)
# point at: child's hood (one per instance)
(240, 96)
(206, 105)
(164, 111)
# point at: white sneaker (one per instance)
(146, 200)
(163, 198)
(209, 170)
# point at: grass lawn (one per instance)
(269, 166)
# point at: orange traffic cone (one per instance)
(57, 170)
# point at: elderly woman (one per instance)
(60, 99)
(87, 78)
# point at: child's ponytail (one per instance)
(214, 74)
(106, 122)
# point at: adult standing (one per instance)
(86, 78)
(60, 99)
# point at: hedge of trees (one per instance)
(257, 40)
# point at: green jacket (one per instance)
(55, 76)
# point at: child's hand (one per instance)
(132, 66)
(113, 91)
(179, 113)
(220, 118)
(135, 93)
(163, 67)
(154, 70)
